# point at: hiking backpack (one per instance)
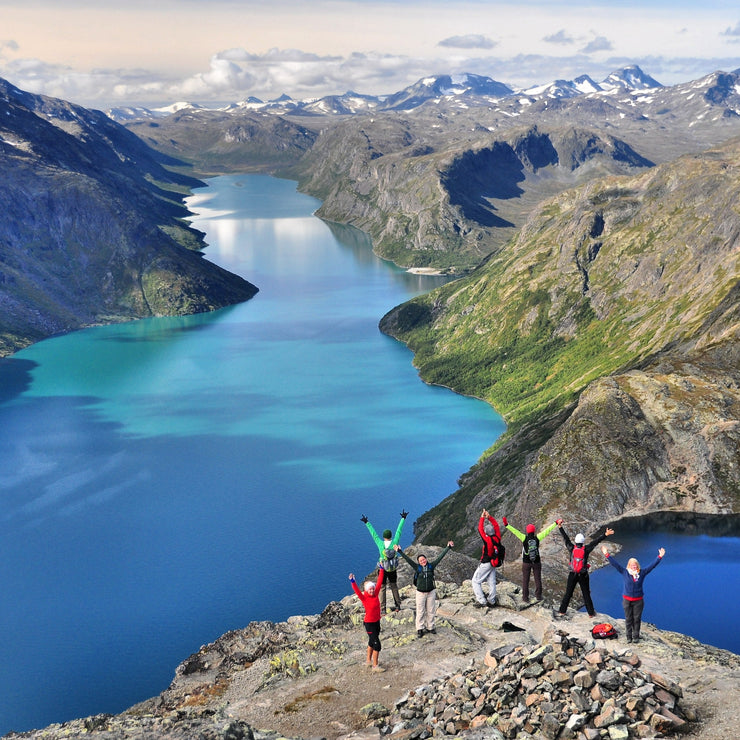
(604, 631)
(532, 548)
(578, 558)
(498, 553)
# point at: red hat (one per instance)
(530, 528)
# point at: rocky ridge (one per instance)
(512, 672)
(94, 229)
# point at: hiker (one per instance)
(426, 592)
(490, 558)
(632, 594)
(388, 559)
(371, 602)
(579, 566)
(531, 562)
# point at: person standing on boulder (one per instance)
(388, 558)
(371, 623)
(579, 566)
(490, 533)
(531, 562)
(632, 593)
(426, 589)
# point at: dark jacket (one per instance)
(590, 546)
(425, 575)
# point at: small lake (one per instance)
(167, 480)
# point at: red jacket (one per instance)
(371, 603)
(487, 550)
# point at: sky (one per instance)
(108, 53)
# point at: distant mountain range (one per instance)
(475, 89)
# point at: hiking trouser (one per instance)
(633, 616)
(390, 578)
(584, 582)
(426, 609)
(484, 573)
(536, 570)
(373, 634)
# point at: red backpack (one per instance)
(577, 558)
(603, 631)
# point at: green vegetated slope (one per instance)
(622, 275)
(599, 278)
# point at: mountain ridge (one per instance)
(95, 229)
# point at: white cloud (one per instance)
(470, 41)
(561, 37)
(223, 51)
(600, 43)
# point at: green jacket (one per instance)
(388, 558)
(425, 575)
(540, 536)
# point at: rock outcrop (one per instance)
(511, 672)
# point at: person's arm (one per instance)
(568, 543)
(482, 524)
(405, 556)
(444, 552)
(376, 538)
(354, 586)
(610, 559)
(652, 565)
(519, 535)
(496, 528)
(397, 537)
(541, 536)
(381, 573)
(607, 533)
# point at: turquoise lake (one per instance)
(167, 480)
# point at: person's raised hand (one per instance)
(404, 514)
(505, 521)
(363, 519)
(661, 552)
(609, 532)
(558, 522)
(605, 551)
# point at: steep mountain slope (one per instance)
(93, 229)
(427, 201)
(607, 335)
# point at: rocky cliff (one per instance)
(512, 672)
(94, 227)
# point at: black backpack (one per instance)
(532, 547)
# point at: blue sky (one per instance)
(102, 53)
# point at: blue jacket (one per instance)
(633, 586)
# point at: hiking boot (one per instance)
(432, 631)
(629, 639)
(478, 605)
(420, 633)
(378, 669)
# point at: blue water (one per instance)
(167, 480)
(694, 589)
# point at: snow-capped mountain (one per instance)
(629, 78)
(467, 89)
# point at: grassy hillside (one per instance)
(600, 278)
